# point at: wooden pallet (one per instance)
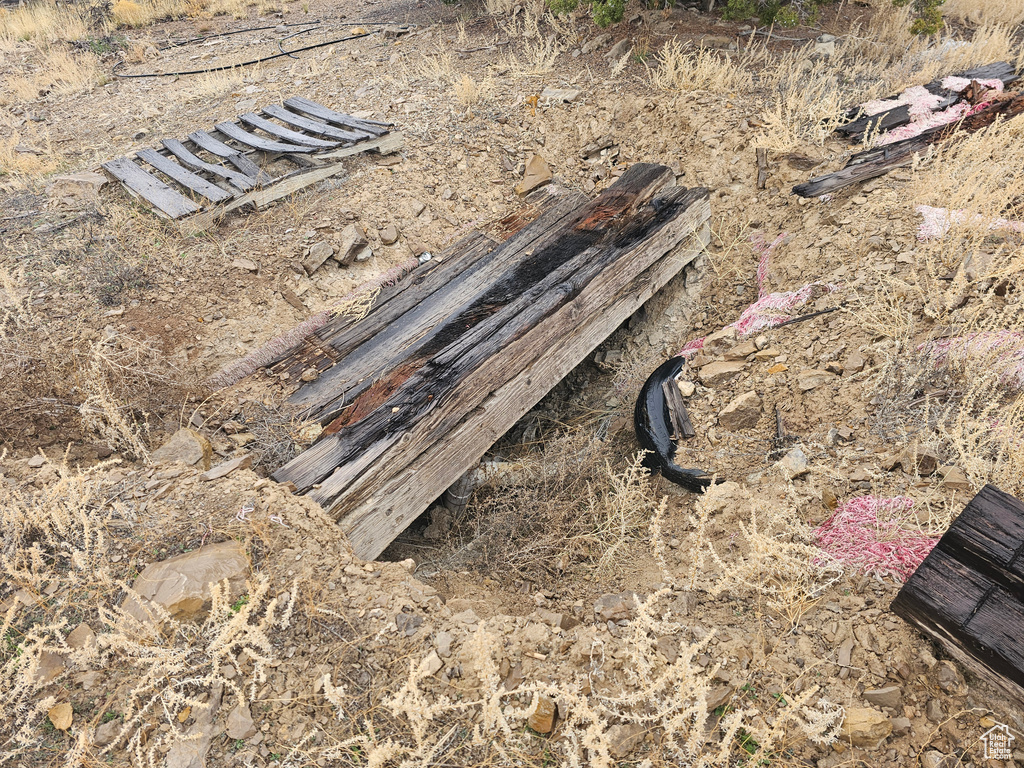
(197, 191)
(968, 594)
(876, 162)
(413, 394)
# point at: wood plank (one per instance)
(314, 126)
(340, 336)
(682, 427)
(267, 126)
(183, 176)
(989, 537)
(233, 131)
(410, 324)
(508, 328)
(236, 179)
(203, 140)
(321, 112)
(968, 594)
(154, 191)
(286, 185)
(380, 509)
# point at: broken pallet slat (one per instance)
(183, 176)
(313, 126)
(176, 148)
(216, 147)
(285, 186)
(967, 594)
(546, 309)
(288, 135)
(336, 118)
(157, 193)
(203, 140)
(242, 136)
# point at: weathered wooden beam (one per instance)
(150, 188)
(570, 284)
(968, 594)
(380, 508)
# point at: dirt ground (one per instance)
(437, 653)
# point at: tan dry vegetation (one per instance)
(682, 68)
(43, 22)
(986, 12)
(966, 284)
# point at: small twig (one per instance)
(490, 47)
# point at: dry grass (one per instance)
(560, 506)
(21, 165)
(684, 68)
(42, 23)
(966, 283)
(985, 12)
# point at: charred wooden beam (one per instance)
(449, 366)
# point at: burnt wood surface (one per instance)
(876, 162)
(968, 594)
(897, 116)
(501, 327)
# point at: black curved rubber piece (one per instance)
(654, 430)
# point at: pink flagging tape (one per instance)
(770, 309)
(856, 537)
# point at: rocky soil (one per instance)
(467, 92)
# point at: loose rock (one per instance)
(186, 446)
(865, 727)
(542, 715)
(181, 584)
(741, 413)
(808, 380)
(537, 174)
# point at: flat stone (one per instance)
(933, 711)
(623, 739)
(432, 664)
(190, 752)
(890, 697)
(719, 696)
(955, 478)
(620, 49)
(181, 584)
(37, 461)
(226, 468)
(561, 620)
(186, 446)
(61, 716)
(808, 380)
(537, 174)
(239, 724)
(542, 715)
(740, 351)
(565, 95)
(717, 373)
(76, 190)
(352, 242)
(81, 636)
(719, 342)
(318, 254)
(247, 264)
(920, 459)
(741, 413)
(389, 235)
(443, 644)
(793, 464)
(51, 665)
(618, 607)
(106, 733)
(865, 727)
(686, 388)
(598, 42)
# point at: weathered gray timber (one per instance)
(414, 399)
